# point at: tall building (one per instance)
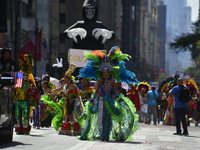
(178, 22)
(162, 35)
(140, 36)
(130, 31)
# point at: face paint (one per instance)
(90, 11)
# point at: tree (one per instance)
(188, 41)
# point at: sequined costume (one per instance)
(111, 118)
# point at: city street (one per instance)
(147, 137)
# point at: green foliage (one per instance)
(188, 41)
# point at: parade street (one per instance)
(147, 137)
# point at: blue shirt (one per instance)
(151, 99)
(177, 103)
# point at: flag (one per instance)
(28, 48)
(44, 52)
(18, 77)
(32, 37)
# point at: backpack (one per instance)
(184, 94)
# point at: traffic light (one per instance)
(155, 73)
(161, 69)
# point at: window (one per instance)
(24, 9)
(62, 1)
(62, 38)
(62, 18)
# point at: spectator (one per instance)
(180, 109)
(143, 113)
(7, 64)
(152, 97)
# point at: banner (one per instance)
(76, 56)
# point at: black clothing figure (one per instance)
(89, 34)
(7, 64)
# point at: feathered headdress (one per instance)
(191, 84)
(25, 63)
(113, 61)
(165, 84)
(143, 86)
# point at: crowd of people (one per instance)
(105, 111)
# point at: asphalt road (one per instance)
(147, 137)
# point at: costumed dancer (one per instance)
(143, 88)
(25, 96)
(47, 79)
(72, 106)
(45, 110)
(133, 95)
(108, 118)
(192, 86)
(164, 88)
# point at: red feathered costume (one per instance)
(133, 95)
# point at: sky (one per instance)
(194, 4)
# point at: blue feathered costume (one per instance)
(108, 117)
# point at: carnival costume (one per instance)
(169, 117)
(108, 118)
(65, 112)
(133, 95)
(25, 96)
(46, 112)
(192, 86)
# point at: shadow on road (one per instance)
(11, 144)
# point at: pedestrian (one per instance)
(180, 109)
(152, 97)
(143, 88)
(36, 112)
(7, 64)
